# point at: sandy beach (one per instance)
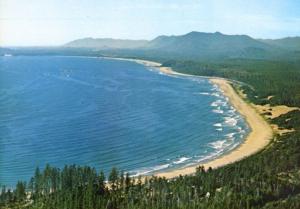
(259, 137)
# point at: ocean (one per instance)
(108, 113)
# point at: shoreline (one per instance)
(258, 138)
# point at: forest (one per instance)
(278, 78)
(268, 179)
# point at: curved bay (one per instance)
(105, 113)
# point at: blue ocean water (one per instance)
(105, 113)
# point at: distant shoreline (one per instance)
(258, 138)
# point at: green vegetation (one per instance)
(290, 43)
(104, 43)
(280, 79)
(194, 46)
(269, 179)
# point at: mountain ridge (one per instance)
(105, 43)
(193, 44)
(291, 43)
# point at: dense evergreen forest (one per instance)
(269, 179)
(278, 78)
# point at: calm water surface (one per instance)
(105, 113)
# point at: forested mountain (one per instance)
(193, 45)
(106, 43)
(211, 45)
(290, 43)
(4, 51)
(269, 179)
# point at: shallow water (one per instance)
(105, 113)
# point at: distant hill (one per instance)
(290, 43)
(106, 43)
(198, 44)
(193, 45)
(4, 51)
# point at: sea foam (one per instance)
(230, 121)
(218, 144)
(218, 111)
(181, 160)
(145, 171)
(204, 93)
(218, 124)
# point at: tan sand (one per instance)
(143, 62)
(271, 112)
(166, 70)
(275, 111)
(280, 130)
(259, 137)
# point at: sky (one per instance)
(55, 22)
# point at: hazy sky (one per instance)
(54, 22)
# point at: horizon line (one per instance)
(129, 39)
